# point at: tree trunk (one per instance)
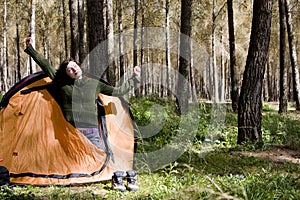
(111, 72)
(18, 56)
(215, 88)
(4, 78)
(66, 49)
(168, 55)
(136, 10)
(142, 59)
(148, 86)
(135, 35)
(73, 7)
(185, 57)
(152, 84)
(192, 77)
(96, 34)
(81, 29)
(269, 81)
(293, 54)
(283, 101)
(250, 102)
(223, 74)
(120, 27)
(234, 78)
(32, 33)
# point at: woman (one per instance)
(77, 94)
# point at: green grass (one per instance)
(221, 173)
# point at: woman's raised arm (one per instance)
(39, 59)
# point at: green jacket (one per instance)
(78, 100)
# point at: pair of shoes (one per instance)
(117, 180)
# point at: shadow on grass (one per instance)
(228, 162)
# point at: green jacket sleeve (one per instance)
(118, 91)
(41, 61)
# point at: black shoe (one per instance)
(117, 181)
(131, 180)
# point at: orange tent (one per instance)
(40, 147)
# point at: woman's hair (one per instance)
(61, 75)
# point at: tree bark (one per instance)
(135, 35)
(223, 70)
(96, 35)
(120, 27)
(168, 54)
(233, 72)
(73, 8)
(185, 57)
(32, 33)
(192, 77)
(111, 72)
(215, 77)
(250, 101)
(5, 75)
(66, 49)
(283, 100)
(81, 29)
(142, 51)
(293, 54)
(136, 10)
(18, 56)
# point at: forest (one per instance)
(222, 75)
(146, 33)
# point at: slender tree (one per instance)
(192, 76)
(74, 21)
(96, 35)
(293, 54)
(214, 68)
(32, 64)
(81, 29)
(283, 101)
(120, 28)
(5, 75)
(250, 101)
(135, 37)
(168, 54)
(142, 49)
(65, 29)
(233, 73)
(223, 67)
(18, 56)
(135, 32)
(111, 72)
(185, 56)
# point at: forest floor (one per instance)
(276, 153)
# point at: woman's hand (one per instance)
(28, 41)
(137, 71)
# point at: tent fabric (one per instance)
(38, 146)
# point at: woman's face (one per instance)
(73, 70)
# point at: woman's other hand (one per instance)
(137, 71)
